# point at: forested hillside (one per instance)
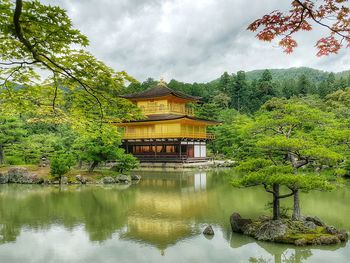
(290, 73)
(247, 91)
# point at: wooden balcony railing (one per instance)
(154, 135)
(167, 109)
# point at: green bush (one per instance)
(126, 162)
(14, 160)
(340, 172)
(60, 165)
(346, 168)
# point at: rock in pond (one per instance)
(331, 230)
(238, 223)
(21, 175)
(310, 224)
(108, 180)
(271, 230)
(135, 177)
(208, 231)
(315, 220)
(4, 179)
(80, 179)
(122, 178)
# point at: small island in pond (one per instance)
(307, 231)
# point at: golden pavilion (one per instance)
(169, 132)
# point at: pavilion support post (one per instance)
(180, 150)
(155, 150)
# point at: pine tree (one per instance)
(291, 141)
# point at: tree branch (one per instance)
(37, 56)
(298, 25)
(310, 11)
(267, 189)
(287, 195)
(20, 63)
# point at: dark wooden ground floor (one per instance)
(167, 150)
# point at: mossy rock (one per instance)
(294, 232)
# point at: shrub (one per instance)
(346, 168)
(126, 162)
(14, 160)
(60, 165)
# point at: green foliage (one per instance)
(339, 102)
(61, 164)
(253, 165)
(125, 162)
(71, 107)
(209, 111)
(98, 144)
(14, 160)
(11, 131)
(39, 39)
(345, 169)
(233, 139)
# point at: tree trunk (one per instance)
(2, 155)
(80, 164)
(296, 207)
(276, 202)
(93, 166)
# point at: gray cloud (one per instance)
(188, 40)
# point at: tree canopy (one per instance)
(292, 145)
(43, 63)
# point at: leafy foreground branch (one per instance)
(39, 40)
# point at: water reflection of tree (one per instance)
(288, 256)
(281, 253)
(102, 211)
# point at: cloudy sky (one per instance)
(189, 40)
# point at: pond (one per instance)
(160, 219)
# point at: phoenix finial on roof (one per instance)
(162, 82)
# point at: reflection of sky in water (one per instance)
(59, 245)
(158, 220)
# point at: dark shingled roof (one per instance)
(167, 117)
(160, 90)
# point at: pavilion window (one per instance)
(159, 148)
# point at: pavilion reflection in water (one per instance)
(163, 216)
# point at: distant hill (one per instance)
(343, 74)
(314, 75)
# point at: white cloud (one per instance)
(188, 40)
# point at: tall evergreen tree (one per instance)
(266, 88)
(303, 85)
(240, 92)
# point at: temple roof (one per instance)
(168, 117)
(160, 90)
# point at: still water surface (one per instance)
(160, 219)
